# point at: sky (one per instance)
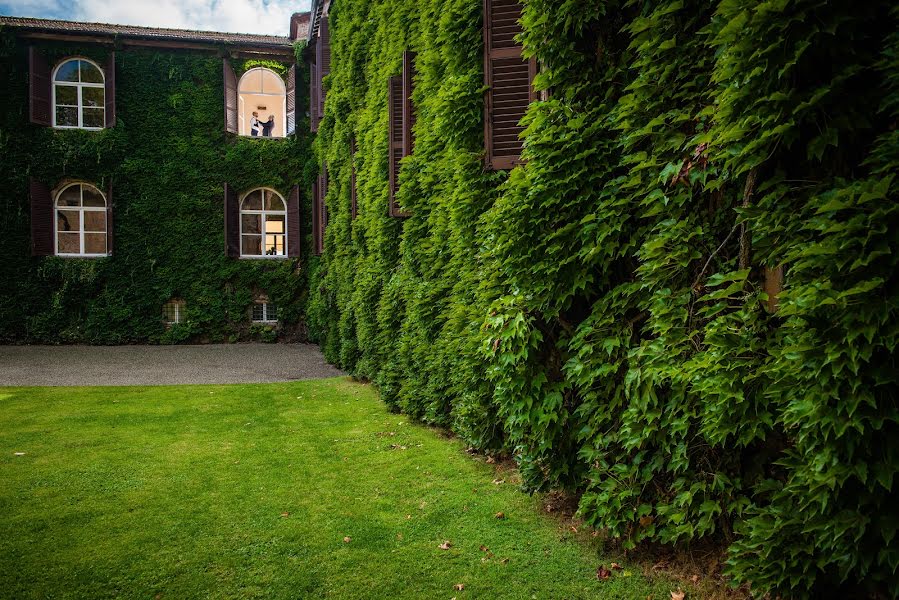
(269, 17)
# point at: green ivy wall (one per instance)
(168, 158)
(599, 313)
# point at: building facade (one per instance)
(151, 184)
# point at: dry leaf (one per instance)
(603, 573)
(347, 539)
(19, 454)
(484, 548)
(695, 579)
(615, 567)
(573, 529)
(408, 516)
(445, 545)
(498, 481)
(500, 515)
(646, 521)
(490, 460)
(285, 515)
(660, 566)
(459, 587)
(495, 344)
(678, 595)
(505, 561)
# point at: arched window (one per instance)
(80, 221)
(262, 91)
(263, 220)
(79, 95)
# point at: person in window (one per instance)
(268, 126)
(255, 125)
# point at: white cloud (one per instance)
(269, 17)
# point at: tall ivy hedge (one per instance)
(167, 158)
(599, 312)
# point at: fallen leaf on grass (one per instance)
(573, 529)
(490, 460)
(695, 579)
(500, 515)
(498, 481)
(459, 587)
(445, 545)
(19, 454)
(678, 595)
(284, 515)
(615, 567)
(660, 566)
(603, 573)
(347, 540)
(505, 561)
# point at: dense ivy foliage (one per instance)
(599, 312)
(167, 158)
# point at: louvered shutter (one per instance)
(313, 94)
(293, 223)
(408, 106)
(41, 219)
(508, 79)
(324, 62)
(353, 207)
(230, 97)
(110, 90)
(38, 88)
(395, 126)
(317, 241)
(110, 229)
(232, 223)
(292, 100)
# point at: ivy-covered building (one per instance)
(151, 182)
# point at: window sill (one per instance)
(254, 257)
(70, 128)
(82, 255)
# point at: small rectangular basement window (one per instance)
(173, 311)
(265, 312)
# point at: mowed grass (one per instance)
(248, 491)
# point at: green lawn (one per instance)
(248, 491)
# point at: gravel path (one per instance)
(161, 365)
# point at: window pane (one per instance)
(251, 223)
(68, 220)
(94, 117)
(68, 71)
(92, 196)
(273, 201)
(90, 73)
(274, 223)
(91, 96)
(69, 243)
(253, 201)
(252, 82)
(95, 220)
(258, 312)
(274, 245)
(66, 117)
(272, 83)
(251, 245)
(71, 196)
(95, 243)
(67, 94)
(271, 312)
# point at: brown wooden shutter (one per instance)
(110, 90)
(324, 62)
(353, 208)
(293, 223)
(41, 219)
(507, 77)
(313, 93)
(774, 285)
(39, 108)
(292, 100)
(408, 106)
(230, 97)
(395, 126)
(232, 223)
(317, 214)
(110, 229)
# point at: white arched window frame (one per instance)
(263, 224)
(246, 85)
(79, 223)
(79, 95)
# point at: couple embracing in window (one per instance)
(264, 126)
